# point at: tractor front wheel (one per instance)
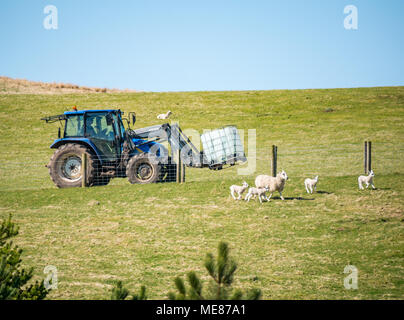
(143, 168)
(65, 166)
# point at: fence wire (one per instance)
(25, 171)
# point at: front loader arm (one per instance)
(177, 140)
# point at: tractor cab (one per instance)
(103, 129)
(100, 130)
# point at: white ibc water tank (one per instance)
(222, 146)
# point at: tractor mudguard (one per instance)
(82, 141)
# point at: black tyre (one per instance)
(143, 168)
(65, 166)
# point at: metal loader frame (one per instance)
(177, 141)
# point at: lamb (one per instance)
(164, 115)
(260, 192)
(238, 189)
(366, 179)
(274, 183)
(310, 184)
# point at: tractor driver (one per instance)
(90, 131)
(96, 127)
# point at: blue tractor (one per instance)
(113, 151)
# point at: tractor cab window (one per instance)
(100, 129)
(122, 127)
(98, 126)
(74, 126)
(117, 124)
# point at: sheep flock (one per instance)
(267, 184)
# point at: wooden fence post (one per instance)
(84, 170)
(182, 173)
(365, 157)
(274, 160)
(369, 156)
(178, 162)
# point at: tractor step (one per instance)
(109, 167)
(108, 174)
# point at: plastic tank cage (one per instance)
(223, 146)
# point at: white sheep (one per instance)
(274, 183)
(238, 189)
(260, 192)
(310, 184)
(366, 179)
(164, 115)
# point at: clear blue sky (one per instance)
(161, 45)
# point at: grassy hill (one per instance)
(148, 234)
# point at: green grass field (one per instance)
(148, 234)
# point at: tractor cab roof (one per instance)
(60, 117)
(88, 111)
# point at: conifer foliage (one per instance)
(119, 292)
(13, 278)
(221, 272)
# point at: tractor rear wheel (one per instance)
(65, 166)
(143, 168)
